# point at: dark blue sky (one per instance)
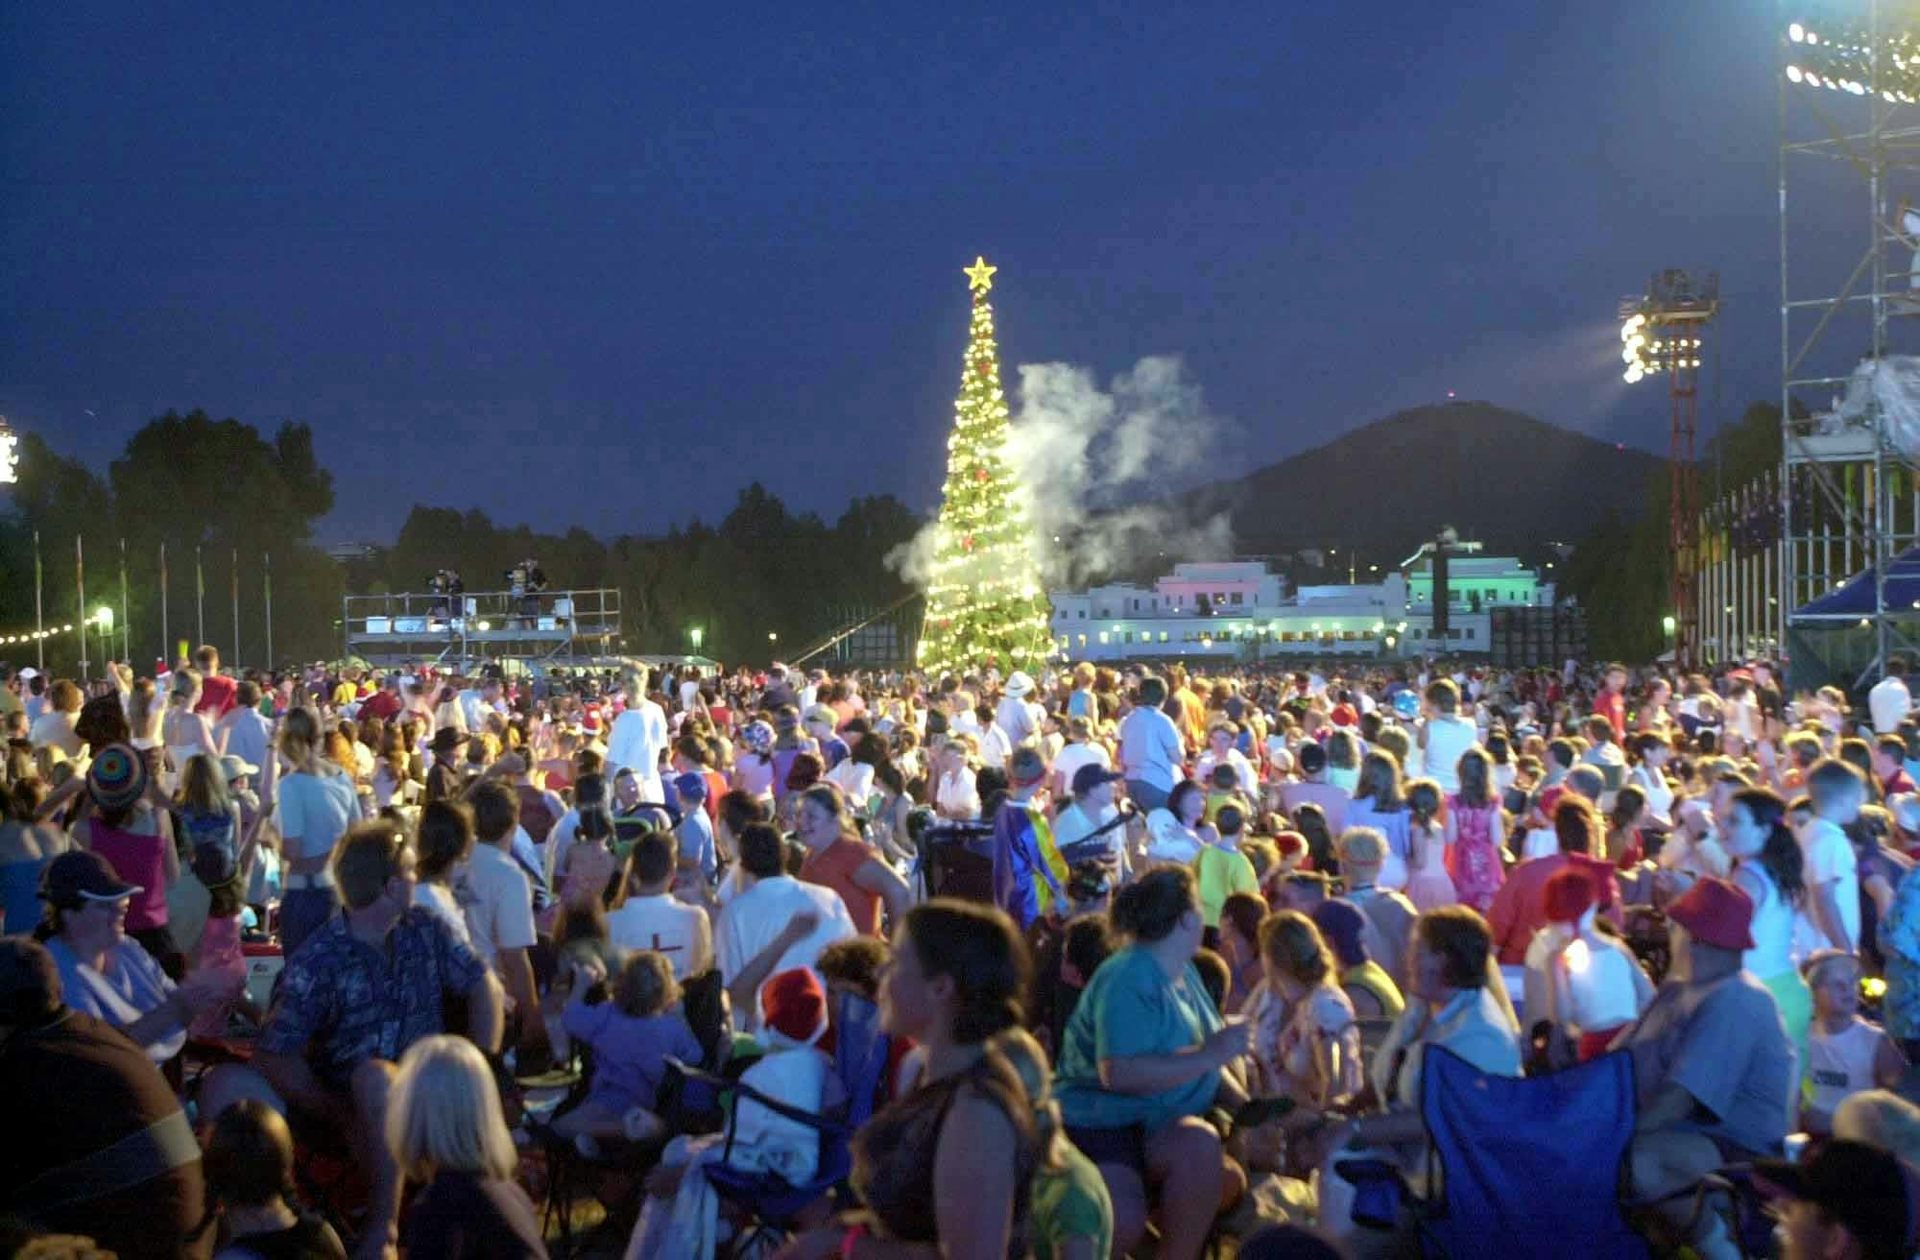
(604, 264)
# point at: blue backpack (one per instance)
(213, 842)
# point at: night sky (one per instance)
(604, 264)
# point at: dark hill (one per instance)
(1508, 480)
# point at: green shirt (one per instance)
(1070, 1203)
(1130, 1009)
(1220, 873)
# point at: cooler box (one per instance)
(264, 964)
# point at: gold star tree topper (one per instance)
(980, 275)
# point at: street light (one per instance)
(696, 634)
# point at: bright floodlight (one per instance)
(103, 617)
(1852, 59)
(9, 454)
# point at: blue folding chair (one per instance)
(771, 1205)
(1539, 1163)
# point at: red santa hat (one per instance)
(1569, 895)
(793, 1005)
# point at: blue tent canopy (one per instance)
(1854, 599)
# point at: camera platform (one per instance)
(472, 628)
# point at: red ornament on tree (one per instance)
(979, 474)
(966, 543)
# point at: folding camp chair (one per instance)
(1538, 1163)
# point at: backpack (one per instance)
(215, 847)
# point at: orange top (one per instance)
(833, 867)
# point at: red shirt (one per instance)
(216, 695)
(1899, 784)
(1520, 907)
(380, 706)
(1612, 706)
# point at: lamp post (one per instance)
(696, 634)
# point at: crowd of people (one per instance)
(1093, 962)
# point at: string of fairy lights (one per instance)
(985, 604)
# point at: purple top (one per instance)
(629, 1052)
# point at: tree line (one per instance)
(248, 502)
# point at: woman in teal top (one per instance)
(1142, 1062)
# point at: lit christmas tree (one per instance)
(984, 601)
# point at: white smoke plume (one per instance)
(1100, 467)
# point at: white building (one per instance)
(1240, 611)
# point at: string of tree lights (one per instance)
(985, 604)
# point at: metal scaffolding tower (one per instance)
(1849, 146)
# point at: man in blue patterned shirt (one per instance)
(357, 993)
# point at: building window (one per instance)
(1163, 636)
(1469, 632)
(1236, 598)
(1103, 636)
(1083, 616)
(1083, 640)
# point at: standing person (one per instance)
(1519, 908)
(137, 841)
(316, 803)
(53, 726)
(652, 918)
(1769, 867)
(768, 900)
(1611, 703)
(1889, 702)
(1144, 1059)
(244, 732)
(1080, 750)
(1221, 752)
(445, 1131)
(27, 847)
(1018, 717)
(498, 899)
(1029, 875)
(1152, 755)
(639, 736)
(1445, 736)
(1475, 833)
(839, 859)
(218, 693)
(1380, 804)
(1428, 885)
(1832, 910)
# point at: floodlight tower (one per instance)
(1849, 163)
(1663, 334)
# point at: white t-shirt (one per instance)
(667, 925)
(1248, 781)
(1074, 756)
(1830, 859)
(439, 901)
(752, 920)
(498, 901)
(1889, 702)
(957, 795)
(1448, 738)
(994, 747)
(639, 737)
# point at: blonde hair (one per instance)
(203, 785)
(1017, 1047)
(1879, 1118)
(444, 1113)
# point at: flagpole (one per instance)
(266, 574)
(199, 597)
(126, 623)
(235, 589)
(166, 653)
(39, 613)
(80, 600)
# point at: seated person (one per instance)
(853, 968)
(1849, 1199)
(1454, 1002)
(632, 1034)
(1712, 1062)
(75, 1090)
(1846, 1054)
(1145, 1057)
(249, 1163)
(367, 984)
(1368, 987)
(1584, 982)
(106, 973)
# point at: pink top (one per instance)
(220, 950)
(138, 859)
